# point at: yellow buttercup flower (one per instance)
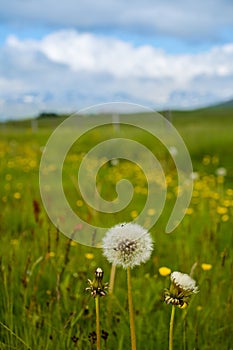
(17, 195)
(225, 218)
(229, 192)
(206, 267)
(89, 256)
(189, 211)
(134, 214)
(206, 160)
(227, 203)
(222, 210)
(164, 271)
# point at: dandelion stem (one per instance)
(112, 279)
(171, 328)
(97, 307)
(131, 313)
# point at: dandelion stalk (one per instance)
(97, 289)
(97, 308)
(181, 289)
(112, 278)
(171, 328)
(131, 312)
(127, 245)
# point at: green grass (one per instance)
(43, 275)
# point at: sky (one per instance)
(65, 56)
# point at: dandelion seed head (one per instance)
(221, 171)
(127, 245)
(184, 281)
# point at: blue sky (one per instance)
(66, 56)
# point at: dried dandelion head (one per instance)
(181, 289)
(97, 287)
(127, 245)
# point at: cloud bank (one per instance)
(68, 70)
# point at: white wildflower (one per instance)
(127, 245)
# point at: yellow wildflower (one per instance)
(164, 271)
(227, 203)
(206, 267)
(222, 210)
(17, 195)
(134, 214)
(229, 192)
(89, 256)
(225, 218)
(189, 211)
(206, 160)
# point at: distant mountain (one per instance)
(227, 104)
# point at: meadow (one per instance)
(43, 274)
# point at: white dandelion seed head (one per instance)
(127, 245)
(194, 175)
(184, 281)
(221, 171)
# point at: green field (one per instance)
(43, 274)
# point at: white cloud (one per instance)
(67, 70)
(93, 54)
